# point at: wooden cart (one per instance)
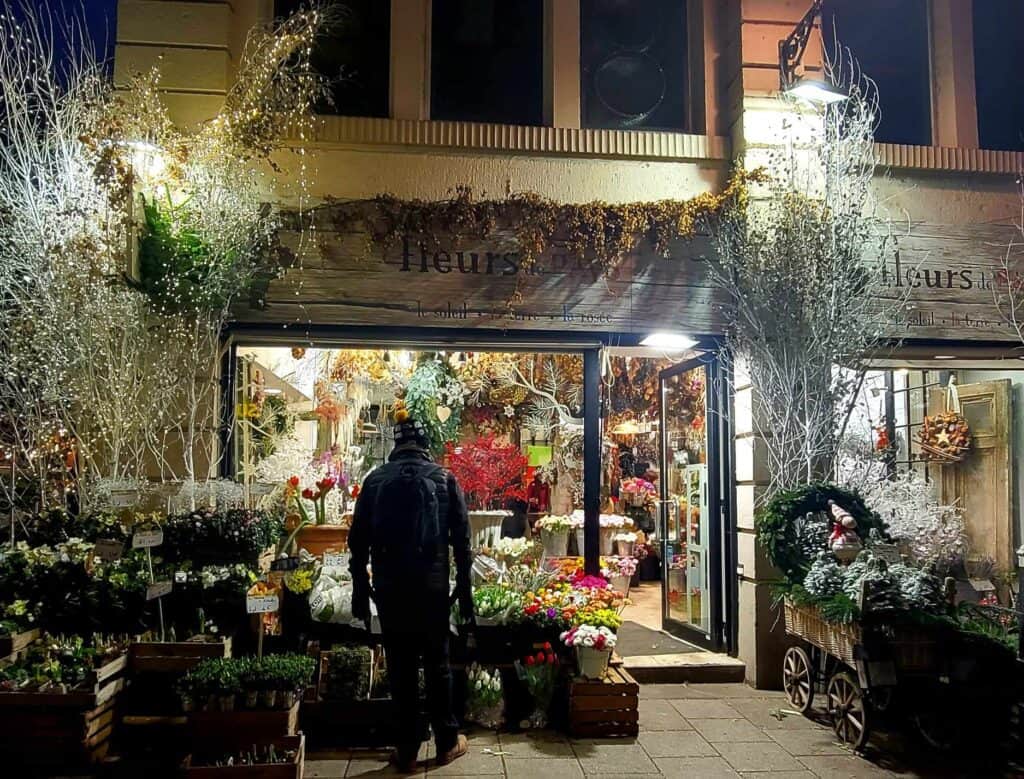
(858, 669)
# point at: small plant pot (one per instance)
(286, 699)
(251, 698)
(269, 698)
(187, 704)
(226, 702)
(555, 542)
(593, 663)
(317, 539)
(625, 548)
(211, 703)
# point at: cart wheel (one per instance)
(797, 680)
(937, 726)
(849, 714)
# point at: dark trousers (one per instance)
(404, 653)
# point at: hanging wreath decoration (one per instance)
(945, 437)
(782, 526)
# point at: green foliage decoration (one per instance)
(780, 521)
(431, 385)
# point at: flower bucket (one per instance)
(226, 702)
(485, 527)
(620, 583)
(593, 663)
(251, 698)
(578, 532)
(625, 548)
(556, 542)
(317, 539)
(269, 698)
(608, 541)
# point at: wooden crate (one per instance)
(605, 708)
(293, 770)
(344, 724)
(72, 728)
(13, 645)
(241, 727)
(174, 656)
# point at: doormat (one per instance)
(636, 640)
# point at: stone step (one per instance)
(693, 666)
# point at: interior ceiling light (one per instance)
(628, 427)
(945, 357)
(675, 342)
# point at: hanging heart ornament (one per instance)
(444, 414)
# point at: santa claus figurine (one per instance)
(844, 541)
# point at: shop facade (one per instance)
(456, 295)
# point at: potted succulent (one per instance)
(593, 647)
(314, 534)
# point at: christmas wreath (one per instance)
(944, 437)
(793, 526)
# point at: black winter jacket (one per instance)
(411, 590)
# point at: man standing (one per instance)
(408, 513)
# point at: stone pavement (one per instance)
(698, 731)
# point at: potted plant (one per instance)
(554, 535)
(624, 543)
(539, 672)
(314, 534)
(491, 475)
(593, 646)
(250, 678)
(225, 682)
(621, 570)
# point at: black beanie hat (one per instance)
(411, 432)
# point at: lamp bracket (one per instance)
(792, 47)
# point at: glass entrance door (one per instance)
(690, 504)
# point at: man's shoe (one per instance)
(461, 747)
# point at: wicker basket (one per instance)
(838, 640)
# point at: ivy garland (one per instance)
(780, 522)
(602, 233)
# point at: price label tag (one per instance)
(144, 539)
(158, 590)
(108, 550)
(317, 604)
(338, 559)
(261, 604)
(123, 498)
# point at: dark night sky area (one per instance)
(100, 18)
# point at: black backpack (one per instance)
(406, 518)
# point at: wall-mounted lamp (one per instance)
(791, 53)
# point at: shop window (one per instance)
(998, 39)
(890, 42)
(633, 64)
(486, 61)
(354, 55)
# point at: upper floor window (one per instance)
(998, 41)
(890, 42)
(487, 61)
(354, 54)
(633, 64)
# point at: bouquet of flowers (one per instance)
(539, 673)
(495, 602)
(623, 566)
(484, 697)
(595, 636)
(637, 491)
(554, 523)
(512, 550)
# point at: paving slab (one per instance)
(728, 730)
(693, 767)
(676, 744)
(758, 757)
(662, 715)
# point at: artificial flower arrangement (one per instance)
(294, 497)
(637, 491)
(490, 472)
(622, 566)
(484, 698)
(539, 672)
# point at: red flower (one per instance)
(599, 641)
(355, 490)
(307, 493)
(540, 657)
(547, 646)
(294, 481)
(551, 659)
(326, 484)
(530, 660)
